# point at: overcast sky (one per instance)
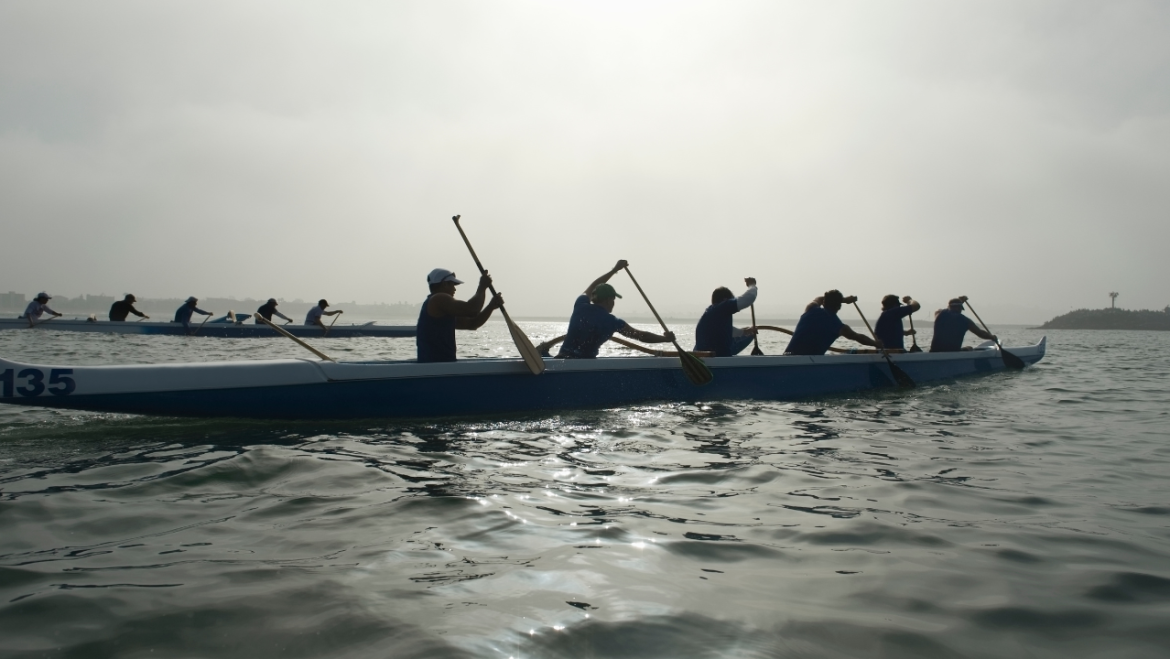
(1015, 152)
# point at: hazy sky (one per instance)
(1015, 152)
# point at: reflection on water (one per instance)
(1020, 514)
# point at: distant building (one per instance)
(12, 300)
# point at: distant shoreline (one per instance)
(1111, 319)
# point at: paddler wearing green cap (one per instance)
(593, 322)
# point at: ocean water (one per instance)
(1022, 514)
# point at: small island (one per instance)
(1111, 319)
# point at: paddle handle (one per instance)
(455, 219)
(281, 330)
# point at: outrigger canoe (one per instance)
(227, 330)
(308, 389)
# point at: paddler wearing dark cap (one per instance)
(593, 322)
(122, 309)
(183, 313)
(819, 326)
(315, 313)
(442, 314)
(268, 310)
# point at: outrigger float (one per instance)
(310, 389)
(220, 329)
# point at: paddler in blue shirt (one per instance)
(593, 322)
(889, 324)
(183, 313)
(715, 331)
(819, 327)
(268, 310)
(442, 314)
(951, 326)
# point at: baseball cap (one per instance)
(605, 291)
(271, 300)
(45, 295)
(439, 275)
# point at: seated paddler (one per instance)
(593, 322)
(183, 313)
(442, 314)
(37, 308)
(716, 332)
(122, 309)
(268, 310)
(951, 326)
(315, 314)
(819, 326)
(889, 324)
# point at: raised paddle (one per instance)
(1009, 360)
(900, 376)
(532, 358)
(913, 336)
(693, 367)
(281, 330)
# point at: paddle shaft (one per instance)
(756, 336)
(531, 358)
(914, 335)
(900, 376)
(201, 325)
(985, 327)
(693, 367)
(281, 330)
(335, 317)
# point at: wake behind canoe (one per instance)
(307, 389)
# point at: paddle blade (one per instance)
(904, 381)
(915, 348)
(531, 355)
(756, 351)
(693, 367)
(1010, 360)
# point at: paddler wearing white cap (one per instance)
(37, 308)
(442, 314)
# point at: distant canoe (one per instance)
(307, 389)
(213, 329)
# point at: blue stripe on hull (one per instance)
(479, 395)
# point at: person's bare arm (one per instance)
(864, 340)
(443, 305)
(646, 337)
(605, 278)
(477, 321)
(980, 332)
(817, 301)
(908, 301)
(332, 313)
